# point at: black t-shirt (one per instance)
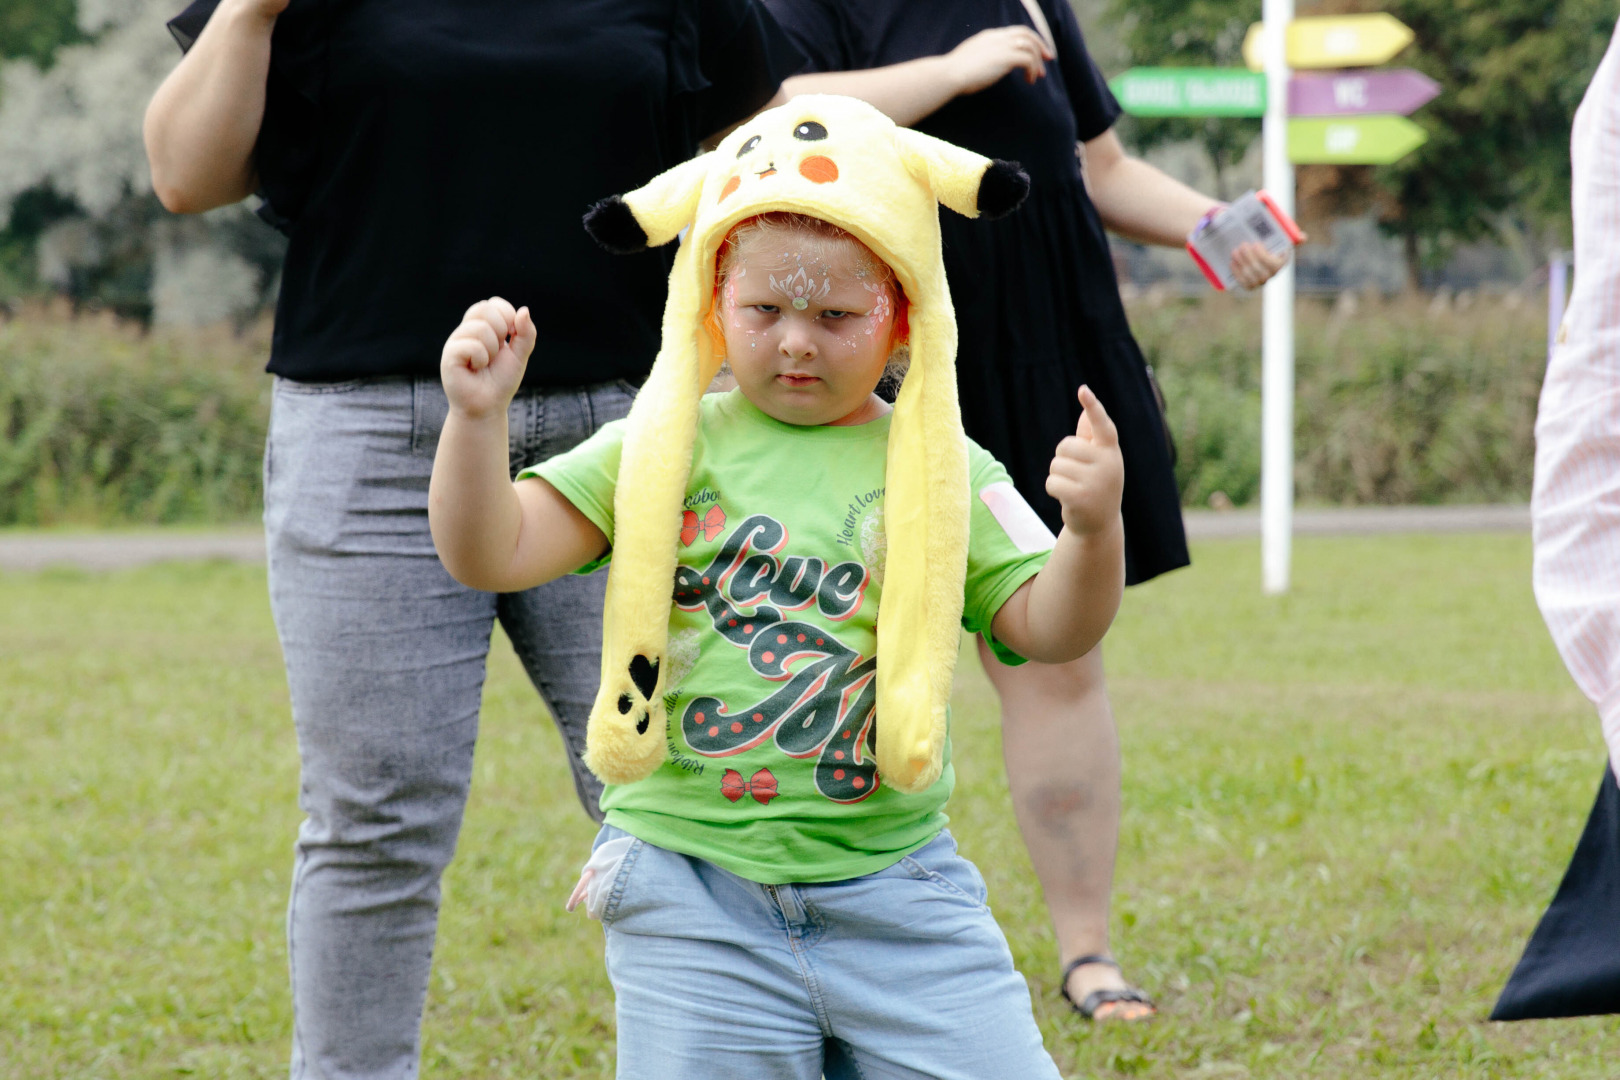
(422, 155)
(1035, 125)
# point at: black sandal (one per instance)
(1098, 998)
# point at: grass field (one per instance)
(1345, 810)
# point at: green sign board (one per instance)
(1352, 140)
(1146, 91)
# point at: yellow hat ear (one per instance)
(969, 183)
(653, 214)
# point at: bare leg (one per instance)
(1062, 758)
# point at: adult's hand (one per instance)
(910, 91)
(1141, 203)
(1254, 264)
(988, 56)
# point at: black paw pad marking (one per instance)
(624, 704)
(644, 673)
(641, 725)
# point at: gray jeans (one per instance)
(385, 658)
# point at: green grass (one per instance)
(1345, 810)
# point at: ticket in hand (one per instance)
(1252, 218)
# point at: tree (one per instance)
(75, 191)
(35, 29)
(1497, 160)
(1188, 33)
(1512, 73)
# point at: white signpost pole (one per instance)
(1277, 344)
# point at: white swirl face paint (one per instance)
(799, 290)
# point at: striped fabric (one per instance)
(1576, 502)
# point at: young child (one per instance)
(778, 890)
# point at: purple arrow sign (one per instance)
(1341, 93)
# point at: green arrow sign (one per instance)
(1353, 140)
(1146, 91)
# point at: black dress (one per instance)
(1571, 967)
(1037, 303)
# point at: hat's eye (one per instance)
(810, 131)
(747, 146)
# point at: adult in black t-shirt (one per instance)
(1038, 313)
(422, 155)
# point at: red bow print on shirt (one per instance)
(710, 526)
(762, 786)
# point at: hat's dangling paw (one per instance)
(644, 676)
(627, 744)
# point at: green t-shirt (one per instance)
(772, 636)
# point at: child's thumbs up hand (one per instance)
(1088, 472)
(482, 364)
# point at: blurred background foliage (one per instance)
(1400, 400)
(104, 423)
(35, 29)
(110, 413)
(1496, 165)
(77, 217)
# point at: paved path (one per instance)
(1364, 521)
(116, 550)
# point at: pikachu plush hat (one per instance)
(843, 161)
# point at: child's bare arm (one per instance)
(490, 533)
(1064, 611)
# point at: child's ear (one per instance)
(969, 183)
(653, 214)
(902, 317)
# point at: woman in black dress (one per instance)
(422, 155)
(1039, 313)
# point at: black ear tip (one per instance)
(612, 224)
(1002, 189)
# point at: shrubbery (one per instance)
(1397, 402)
(1404, 401)
(100, 424)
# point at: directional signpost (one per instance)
(1399, 92)
(1352, 117)
(1352, 140)
(1190, 92)
(1277, 320)
(1335, 41)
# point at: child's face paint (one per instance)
(798, 288)
(807, 338)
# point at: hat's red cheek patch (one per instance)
(818, 169)
(731, 186)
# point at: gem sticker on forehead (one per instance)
(799, 289)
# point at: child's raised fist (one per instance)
(483, 361)
(1088, 472)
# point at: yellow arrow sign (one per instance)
(1335, 41)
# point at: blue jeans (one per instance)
(385, 661)
(901, 975)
